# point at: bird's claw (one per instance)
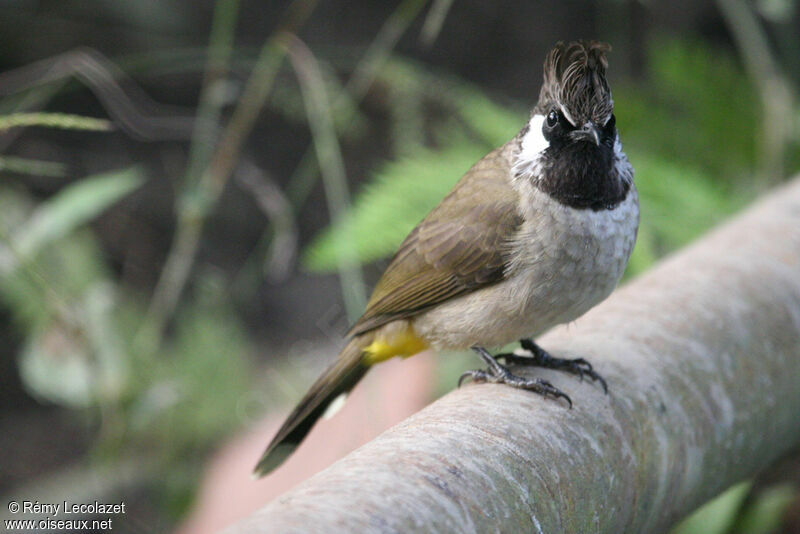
(541, 358)
(537, 385)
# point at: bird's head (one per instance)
(575, 99)
(570, 146)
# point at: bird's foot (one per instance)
(499, 374)
(540, 358)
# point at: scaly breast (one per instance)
(573, 258)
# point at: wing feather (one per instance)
(460, 246)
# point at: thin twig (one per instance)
(364, 74)
(275, 206)
(331, 166)
(434, 21)
(212, 99)
(380, 49)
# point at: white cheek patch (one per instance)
(533, 142)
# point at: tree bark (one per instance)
(702, 359)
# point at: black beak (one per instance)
(589, 132)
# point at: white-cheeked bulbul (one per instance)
(533, 235)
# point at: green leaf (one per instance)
(716, 516)
(765, 513)
(72, 207)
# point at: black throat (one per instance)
(581, 175)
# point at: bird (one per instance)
(533, 235)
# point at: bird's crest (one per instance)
(575, 79)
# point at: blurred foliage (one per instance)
(692, 108)
(764, 513)
(678, 203)
(54, 282)
(185, 396)
(81, 351)
(160, 398)
(73, 206)
(718, 515)
(740, 511)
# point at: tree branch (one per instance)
(702, 359)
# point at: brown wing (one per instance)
(460, 246)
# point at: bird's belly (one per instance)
(563, 266)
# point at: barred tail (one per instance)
(337, 380)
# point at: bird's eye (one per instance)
(552, 118)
